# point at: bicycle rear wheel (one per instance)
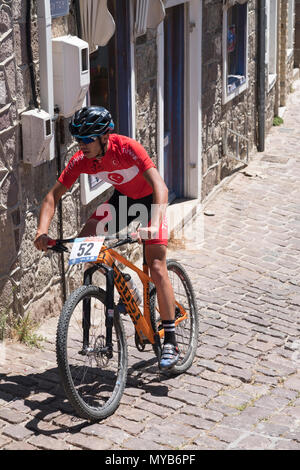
(93, 382)
(187, 328)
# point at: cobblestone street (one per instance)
(243, 391)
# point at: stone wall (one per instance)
(146, 92)
(239, 113)
(29, 280)
(14, 95)
(277, 96)
(286, 62)
(270, 105)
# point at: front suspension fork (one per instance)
(109, 307)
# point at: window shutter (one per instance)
(98, 25)
(148, 15)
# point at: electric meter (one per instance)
(37, 134)
(71, 73)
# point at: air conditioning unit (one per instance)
(71, 73)
(37, 134)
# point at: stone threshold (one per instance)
(180, 212)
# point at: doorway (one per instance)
(110, 68)
(174, 120)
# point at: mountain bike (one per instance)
(91, 345)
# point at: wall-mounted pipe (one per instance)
(261, 73)
(78, 18)
(47, 100)
(46, 61)
(58, 124)
(34, 102)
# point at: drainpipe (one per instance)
(261, 88)
(46, 63)
(277, 84)
(29, 54)
(47, 100)
(58, 124)
(78, 18)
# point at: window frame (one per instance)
(229, 96)
(290, 27)
(271, 41)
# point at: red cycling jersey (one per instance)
(122, 166)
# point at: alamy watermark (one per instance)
(179, 222)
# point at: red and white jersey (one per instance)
(122, 166)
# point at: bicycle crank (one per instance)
(140, 344)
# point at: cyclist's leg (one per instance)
(156, 256)
(156, 260)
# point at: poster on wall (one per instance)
(231, 38)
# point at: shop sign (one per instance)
(59, 8)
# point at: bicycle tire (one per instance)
(187, 330)
(85, 397)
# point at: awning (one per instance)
(97, 24)
(149, 14)
(230, 3)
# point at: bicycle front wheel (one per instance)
(92, 380)
(187, 325)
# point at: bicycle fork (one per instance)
(106, 350)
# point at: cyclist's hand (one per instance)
(147, 233)
(41, 242)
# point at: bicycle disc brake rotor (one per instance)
(100, 356)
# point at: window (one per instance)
(271, 40)
(235, 50)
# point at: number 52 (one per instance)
(85, 249)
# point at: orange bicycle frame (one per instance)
(141, 321)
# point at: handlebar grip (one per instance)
(51, 242)
(134, 235)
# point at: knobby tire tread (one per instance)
(85, 411)
(181, 367)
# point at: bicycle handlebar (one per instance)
(58, 245)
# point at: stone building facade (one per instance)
(219, 118)
(34, 282)
(241, 113)
(297, 33)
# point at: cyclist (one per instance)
(125, 164)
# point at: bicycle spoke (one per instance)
(93, 381)
(186, 319)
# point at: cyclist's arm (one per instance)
(160, 196)
(46, 214)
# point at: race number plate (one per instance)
(86, 249)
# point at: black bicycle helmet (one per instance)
(93, 121)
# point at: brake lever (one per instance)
(57, 247)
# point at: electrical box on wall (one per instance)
(37, 134)
(71, 73)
